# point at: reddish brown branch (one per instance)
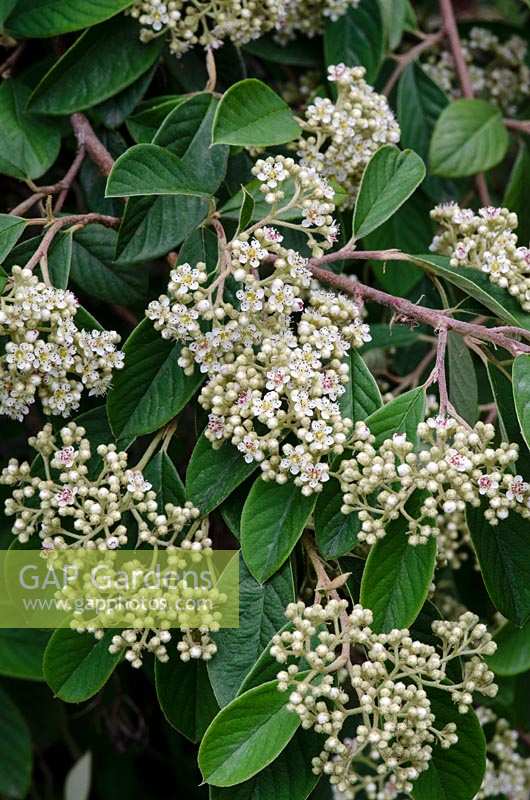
(411, 312)
(79, 220)
(521, 125)
(411, 55)
(84, 133)
(62, 186)
(6, 67)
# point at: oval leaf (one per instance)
(274, 517)
(401, 415)
(389, 179)
(15, 750)
(146, 169)
(469, 137)
(247, 735)
(42, 18)
(356, 38)
(513, 650)
(185, 695)
(521, 393)
(252, 115)
(214, 474)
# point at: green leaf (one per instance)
(513, 650)
(94, 271)
(299, 52)
(261, 615)
(246, 736)
(455, 773)
(335, 532)
(252, 115)
(214, 474)
(287, 778)
(11, 229)
(397, 576)
(386, 336)
(273, 519)
(3, 279)
(394, 16)
(389, 179)
(21, 652)
(166, 482)
(517, 194)
(185, 695)
(152, 226)
(463, 387)
(76, 666)
(151, 389)
(469, 137)
(43, 18)
(478, 285)
(15, 750)
(510, 431)
(356, 38)
(59, 257)
(362, 396)
(29, 144)
(146, 169)
(79, 778)
(101, 62)
(150, 115)
(246, 210)
(420, 102)
(502, 552)
(401, 415)
(521, 393)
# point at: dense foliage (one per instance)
(265, 287)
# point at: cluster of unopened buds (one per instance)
(46, 355)
(507, 770)
(209, 24)
(195, 644)
(68, 507)
(497, 69)
(344, 134)
(485, 241)
(451, 468)
(275, 364)
(386, 687)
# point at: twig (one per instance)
(84, 133)
(440, 370)
(79, 220)
(451, 29)
(62, 186)
(7, 66)
(522, 125)
(411, 55)
(212, 71)
(435, 318)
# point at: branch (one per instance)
(435, 318)
(7, 66)
(62, 186)
(451, 29)
(522, 125)
(79, 220)
(84, 133)
(411, 55)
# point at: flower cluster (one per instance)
(241, 21)
(507, 771)
(452, 467)
(497, 69)
(485, 241)
(68, 507)
(47, 355)
(342, 136)
(384, 690)
(275, 364)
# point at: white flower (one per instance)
(136, 481)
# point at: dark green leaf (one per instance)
(21, 652)
(513, 650)
(76, 666)
(42, 18)
(357, 38)
(397, 576)
(11, 229)
(29, 144)
(502, 552)
(166, 482)
(146, 169)
(469, 137)
(15, 750)
(185, 695)
(508, 423)
(463, 387)
(261, 615)
(420, 103)
(252, 115)
(335, 532)
(246, 211)
(521, 393)
(401, 415)
(150, 115)
(362, 396)
(101, 62)
(389, 179)
(274, 517)
(455, 773)
(151, 389)
(246, 736)
(517, 194)
(214, 474)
